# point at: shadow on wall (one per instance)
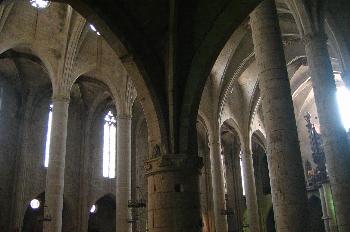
(315, 215)
(103, 217)
(270, 221)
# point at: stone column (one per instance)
(55, 171)
(284, 159)
(173, 193)
(335, 143)
(250, 190)
(217, 179)
(332, 221)
(325, 217)
(123, 173)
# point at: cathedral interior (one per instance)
(174, 116)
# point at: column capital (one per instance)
(60, 98)
(124, 116)
(315, 37)
(214, 142)
(173, 163)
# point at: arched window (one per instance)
(48, 136)
(222, 158)
(242, 176)
(109, 145)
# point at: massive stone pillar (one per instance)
(284, 159)
(335, 143)
(55, 171)
(123, 174)
(250, 190)
(173, 193)
(218, 185)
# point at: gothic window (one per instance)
(222, 158)
(109, 145)
(242, 176)
(48, 136)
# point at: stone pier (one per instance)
(283, 152)
(55, 171)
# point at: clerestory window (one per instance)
(48, 137)
(109, 145)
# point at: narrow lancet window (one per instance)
(242, 176)
(48, 137)
(109, 145)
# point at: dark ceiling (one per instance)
(198, 32)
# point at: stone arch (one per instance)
(231, 122)
(28, 109)
(33, 218)
(340, 47)
(114, 36)
(198, 73)
(262, 180)
(29, 49)
(261, 169)
(104, 217)
(231, 145)
(259, 137)
(204, 121)
(205, 181)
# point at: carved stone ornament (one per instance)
(173, 162)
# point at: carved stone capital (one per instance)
(60, 98)
(173, 163)
(315, 37)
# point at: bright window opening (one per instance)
(109, 145)
(35, 204)
(343, 99)
(93, 28)
(242, 176)
(93, 209)
(222, 158)
(41, 4)
(48, 137)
